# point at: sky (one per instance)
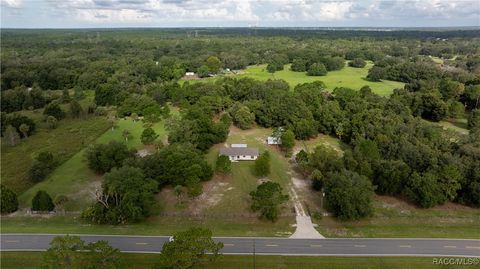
(238, 13)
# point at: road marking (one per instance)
(12, 241)
(141, 243)
(228, 245)
(271, 245)
(405, 246)
(470, 247)
(316, 246)
(359, 246)
(450, 246)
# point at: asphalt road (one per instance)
(271, 246)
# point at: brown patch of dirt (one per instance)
(213, 192)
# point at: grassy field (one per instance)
(30, 260)
(74, 179)
(16, 161)
(347, 77)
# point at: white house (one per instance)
(273, 140)
(239, 153)
(189, 73)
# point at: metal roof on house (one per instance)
(239, 151)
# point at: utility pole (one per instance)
(254, 264)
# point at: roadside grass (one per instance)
(30, 260)
(394, 217)
(354, 78)
(155, 225)
(74, 179)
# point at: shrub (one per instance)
(42, 202)
(317, 69)
(262, 165)
(53, 109)
(358, 63)
(148, 136)
(9, 201)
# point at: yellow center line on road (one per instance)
(470, 247)
(12, 241)
(271, 245)
(228, 245)
(405, 246)
(316, 246)
(450, 246)
(141, 243)
(359, 246)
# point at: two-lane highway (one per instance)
(271, 246)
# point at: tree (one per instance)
(103, 157)
(358, 63)
(262, 165)
(317, 69)
(52, 122)
(189, 249)
(42, 202)
(223, 165)
(376, 74)
(102, 256)
(60, 201)
(11, 135)
(318, 180)
(305, 129)
(203, 71)
(8, 200)
(268, 198)
(64, 252)
(127, 196)
(76, 110)
(53, 109)
(242, 117)
(214, 64)
(24, 128)
(126, 134)
(288, 142)
(349, 195)
(42, 166)
(474, 119)
(299, 65)
(72, 252)
(148, 136)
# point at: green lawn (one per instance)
(74, 179)
(347, 77)
(30, 260)
(241, 180)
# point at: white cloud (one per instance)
(245, 12)
(11, 3)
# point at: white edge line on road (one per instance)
(246, 237)
(284, 254)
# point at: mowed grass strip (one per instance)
(155, 225)
(31, 260)
(394, 217)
